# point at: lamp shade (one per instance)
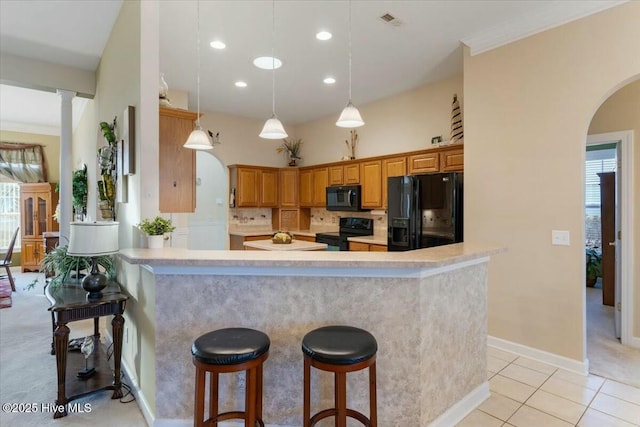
(93, 238)
(273, 129)
(350, 117)
(198, 140)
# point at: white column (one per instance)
(66, 133)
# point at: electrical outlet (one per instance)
(560, 237)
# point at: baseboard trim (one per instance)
(540, 355)
(463, 407)
(165, 422)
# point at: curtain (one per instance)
(22, 162)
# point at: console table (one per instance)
(69, 303)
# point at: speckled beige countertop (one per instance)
(422, 258)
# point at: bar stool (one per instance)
(340, 349)
(225, 351)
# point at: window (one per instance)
(9, 212)
(600, 158)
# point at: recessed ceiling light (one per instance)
(329, 80)
(217, 44)
(323, 35)
(240, 84)
(267, 63)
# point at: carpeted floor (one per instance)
(28, 370)
(607, 357)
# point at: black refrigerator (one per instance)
(424, 210)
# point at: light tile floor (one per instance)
(528, 393)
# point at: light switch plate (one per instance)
(560, 237)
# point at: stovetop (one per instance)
(350, 227)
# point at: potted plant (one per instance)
(62, 266)
(292, 148)
(594, 266)
(155, 230)
(107, 163)
(80, 190)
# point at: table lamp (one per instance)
(93, 239)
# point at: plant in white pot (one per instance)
(155, 230)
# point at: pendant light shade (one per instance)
(350, 117)
(273, 128)
(198, 139)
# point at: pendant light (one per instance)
(273, 128)
(198, 139)
(350, 117)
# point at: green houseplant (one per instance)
(107, 162)
(593, 266)
(80, 190)
(155, 230)
(62, 266)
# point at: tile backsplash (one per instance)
(321, 219)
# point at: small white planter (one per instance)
(155, 242)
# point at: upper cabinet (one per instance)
(371, 180)
(253, 186)
(288, 185)
(177, 165)
(394, 166)
(344, 174)
(452, 160)
(313, 187)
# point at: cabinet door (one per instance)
(452, 160)
(177, 165)
(357, 246)
(247, 192)
(32, 253)
(288, 187)
(371, 174)
(396, 166)
(352, 174)
(424, 163)
(377, 248)
(29, 215)
(306, 188)
(336, 175)
(269, 188)
(320, 183)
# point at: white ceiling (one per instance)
(387, 59)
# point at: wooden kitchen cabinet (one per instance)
(424, 163)
(371, 180)
(253, 187)
(336, 175)
(268, 180)
(394, 166)
(452, 160)
(320, 184)
(352, 174)
(288, 186)
(366, 247)
(306, 187)
(177, 165)
(37, 203)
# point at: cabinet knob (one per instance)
(175, 184)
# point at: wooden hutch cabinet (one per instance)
(177, 165)
(37, 204)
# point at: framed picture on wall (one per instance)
(128, 141)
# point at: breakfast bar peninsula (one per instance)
(426, 308)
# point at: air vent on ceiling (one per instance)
(391, 20)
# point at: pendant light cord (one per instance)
(198, 75)
(349, 51)
(273, 58)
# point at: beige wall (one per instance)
(51, 144)
(621, 112)
(404, 122)
(528, 106)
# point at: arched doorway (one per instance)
(208, 224)
(615, 122)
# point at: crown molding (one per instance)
(534, 23)
(39, 129)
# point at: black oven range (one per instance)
(349, 227)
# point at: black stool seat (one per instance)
(230, 346)
(339, 345)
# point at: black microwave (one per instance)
(344, 198)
